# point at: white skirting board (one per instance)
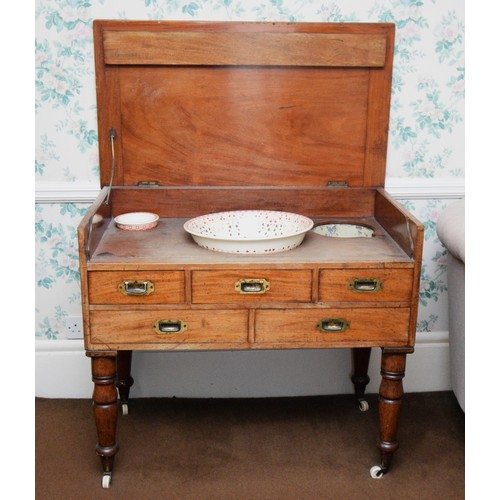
(62, 370)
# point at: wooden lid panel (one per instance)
(239, 126)
(245, 48)
(257, 104)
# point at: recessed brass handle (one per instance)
(134, 287)
(252, 286)
(169, 326)
(332, 325)
(369, 285)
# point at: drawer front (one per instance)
(250, 286)
(136, 287)
(168, 326)
(319, 326)
(365, 285)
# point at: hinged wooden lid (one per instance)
(246, 104)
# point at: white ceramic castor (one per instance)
(363, 405)
(377, 472)
(124, 408)
(106, 480)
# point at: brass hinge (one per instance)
(337, 184)
(148, 183)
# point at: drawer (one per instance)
(319, 326)
(365, 285)
(168, 326)
(136, 287)
(247, 286)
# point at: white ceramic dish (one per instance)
(137, 221)
(249, 231)
(343, 231)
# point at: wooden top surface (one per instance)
(243, 104)
(169, 245)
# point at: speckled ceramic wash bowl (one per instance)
(343, 231)
(249, 231)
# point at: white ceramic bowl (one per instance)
(137, 221)
(249, 231)
(343, 231)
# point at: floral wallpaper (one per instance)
(426, 133)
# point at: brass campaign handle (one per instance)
(134, 287)
(253, 286)
(332, 325)
(365, 285)
(169, 326)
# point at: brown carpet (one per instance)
(279, 448)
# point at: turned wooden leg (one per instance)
(105, 409)
(390, 400)
(360, 378)
(124, 381)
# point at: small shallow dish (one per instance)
(343, 231)
(249, 231)
(137, 221)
